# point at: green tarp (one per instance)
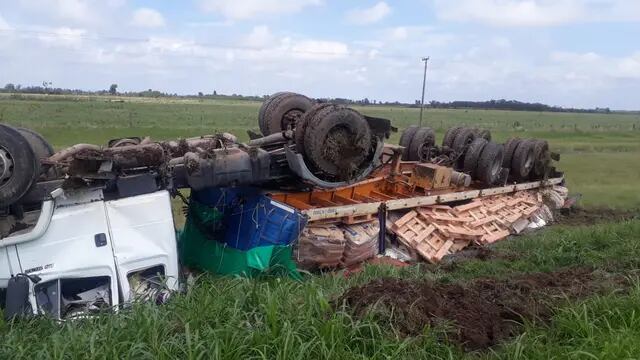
(199, 249)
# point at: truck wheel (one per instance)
(337, 140)
(490, 163)
(263, 109)
(523, 160)
(464, 137)
(450, 136)
(405, 140)
(541, 158)
(423, 137)
(18, 166)
(282, 112)
(509, 148)
(473, 156)
(301, 126)
(41, 150)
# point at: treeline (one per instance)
(502, 104)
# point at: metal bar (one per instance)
(397, 204)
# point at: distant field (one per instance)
(600, 152)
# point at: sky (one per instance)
(570, 53)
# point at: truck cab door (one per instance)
(144, 241)
(75, 251)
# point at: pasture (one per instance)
(273, 318)
(600, 152)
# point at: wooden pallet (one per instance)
(437, 230)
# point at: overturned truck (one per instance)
(89, 227)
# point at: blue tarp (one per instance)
(251, 219)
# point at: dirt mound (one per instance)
(478, 314)
(582, 216)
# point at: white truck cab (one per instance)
(86, 254)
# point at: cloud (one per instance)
(4, 25)
(79, 11)
(259, 37)
(146, 17)
(320, 50)
(63, 37)
(369, 15)
(249, 9)
(532, 13)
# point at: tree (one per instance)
(10, 87)
(113, 89)
(200, 94)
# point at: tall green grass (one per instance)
(225, 318)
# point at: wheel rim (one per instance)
(6, 166)
(495, 169)
(528, 164)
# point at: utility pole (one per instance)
(424, 83)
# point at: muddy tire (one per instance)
(509, 148)
(541, 158)
(490, 163)
(41, 150)
(337, 141)
(464, 138)
(279, 112)
(424, 137)
(473, 156)
(301, 126)
(450, 136)
(523, 160)
(405, 140)
(18, 166)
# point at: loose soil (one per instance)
(477, 314)
(582, 216)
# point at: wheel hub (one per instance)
(6, 166)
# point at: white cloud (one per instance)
(63, 37)
(146, 17)
(248, 9)
(4, 25)
(537, 12)
(80, 11)
(320, 50)
(259, 37)
(369, 15)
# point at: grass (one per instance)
(599, 151)
(227, 318)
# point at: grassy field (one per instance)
(600, 153)
(223, 318)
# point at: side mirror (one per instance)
(17, 301)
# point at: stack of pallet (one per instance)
(361, 242)
(320, 247)
(331, 246)
(439, 230)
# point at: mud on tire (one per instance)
(523, 159)
(450, 136)
(41, 150)
(425, 136)
(337, 141)
(541, 158)
(18, 166)
(279, 111)
(473, 156)
(490, 163)
(509, 149)
(301, 126)
(405, 140)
